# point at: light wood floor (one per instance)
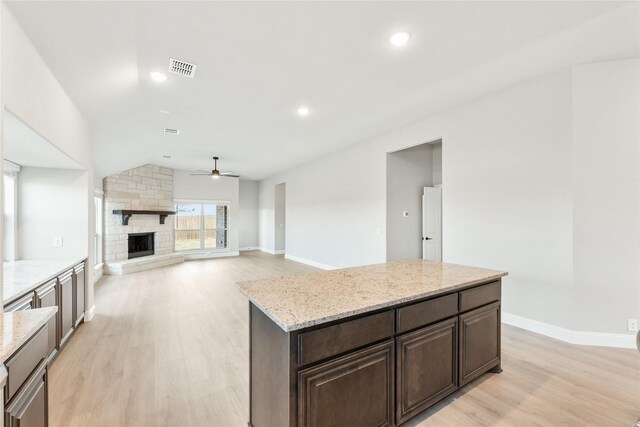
(169, 347)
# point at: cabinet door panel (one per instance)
(479, 341)
(66, 306)
(29, 408)
(354, 390)
(427, 362)
(47, 296)
(79, 273)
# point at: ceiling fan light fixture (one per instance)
(215, 174)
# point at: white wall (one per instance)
(437, 162)
(507, 204)
(280, 217)
(190, 187)
(408, 172)
(32, 93)
(606, 195)
(52, 202)
(248, 215)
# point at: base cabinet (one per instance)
(79, 277)
(66, 306)
(479, 341)
(354, 390)
(29, 407)
(47, 296)
(427, 367)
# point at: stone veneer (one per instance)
(147, 187)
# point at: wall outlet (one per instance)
(57, 241)
(405, 213)
(632, 325)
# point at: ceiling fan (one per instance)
(215, 173)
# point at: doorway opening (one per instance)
(280, 214)
(410, 173)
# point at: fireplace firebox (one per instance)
(140, 244)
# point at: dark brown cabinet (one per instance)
(78, 274)
(29, 407)
(47, 296)
(427, 367)
(354, 390)
(479, 341)
(373, 369)
(66, 307)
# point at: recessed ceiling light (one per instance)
(164, 111)
(400, 38)
(166, 156)
(172, 131)
(303, 111)
(157, 76)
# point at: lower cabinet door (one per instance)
(79, 296)
(354, 390)
(66, 306)
(427, 367)
(29, 407)
(47, 296)
(479, 341)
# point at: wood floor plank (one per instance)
(169, 347)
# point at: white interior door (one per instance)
(432, 224)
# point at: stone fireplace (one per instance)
(145, 188)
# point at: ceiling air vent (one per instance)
(172, 131)
(181, 68)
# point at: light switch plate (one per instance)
(632, 325)
(57, 241)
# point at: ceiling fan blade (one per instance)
(201, 174)
(230, 174)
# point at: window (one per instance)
(97, 236)
(10, 214)
(201, 226)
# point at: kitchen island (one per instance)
(368, 346)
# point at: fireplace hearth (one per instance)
(141, 244)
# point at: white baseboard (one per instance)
(249, 248)
(601, 339)
(207, 255)
(88, 315)
(270, 251)
(309, 262)
(278, 252)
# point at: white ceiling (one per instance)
(258, 61)
(25, 147)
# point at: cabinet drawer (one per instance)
(481, 295)
(423, 313)
(326, 342)
(24, 303)
(25, 361)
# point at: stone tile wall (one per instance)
(147, 187)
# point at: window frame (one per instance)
(202, 230)
(10, 170)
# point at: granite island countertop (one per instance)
(20, 277)
(300, 301)
(18, 326)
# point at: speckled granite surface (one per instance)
(296, 302)
(18, 326)
(20, 277)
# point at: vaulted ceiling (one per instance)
(258, 61)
